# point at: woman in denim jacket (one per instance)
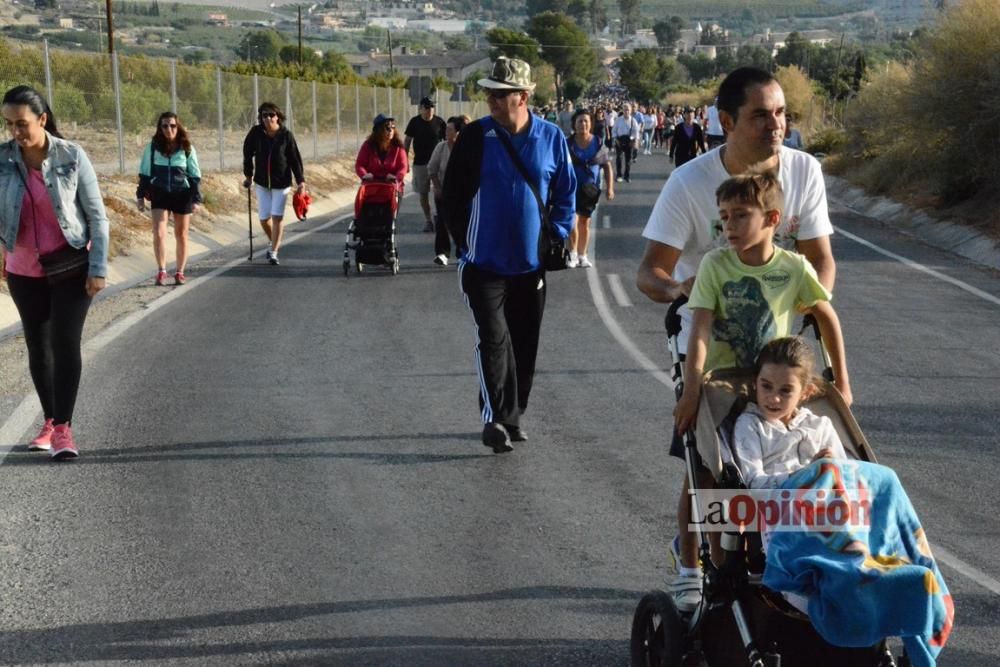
(54, 235)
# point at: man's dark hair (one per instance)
(733, 89)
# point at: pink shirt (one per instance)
(38, 232)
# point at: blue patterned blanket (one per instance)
(867, 578)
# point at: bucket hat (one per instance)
(508, 74)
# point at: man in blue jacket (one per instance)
(495, 218)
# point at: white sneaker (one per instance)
(573, 261)
(441, 260)
(686, 592)
(619, 179)
(584, 263)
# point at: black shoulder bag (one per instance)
(551, 251)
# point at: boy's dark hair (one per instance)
(733, 89)
(31, 98)
(791, 351)
(457, 122)
(761, 189)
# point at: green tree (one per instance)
(532, 7)
(668, 32)
(630, 15)
(598, 16)
(513, 44)
(440, 83)
(640, 72)
(700, 67)
(260, 46)
(796, 51)
(564, 46)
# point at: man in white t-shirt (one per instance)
(714, 132)
(625, 132)
(685, 224)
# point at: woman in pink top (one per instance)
(382, 156)
(54, 233)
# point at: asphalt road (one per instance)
(282, 466)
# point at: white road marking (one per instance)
(606, 222)
(986, 296)
(618, 291)
(27, 412)
(942, 555)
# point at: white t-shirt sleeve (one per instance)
(671, 222)
(813, 212)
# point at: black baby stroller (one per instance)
(372, 233)
(740, 621)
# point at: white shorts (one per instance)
(271, 203)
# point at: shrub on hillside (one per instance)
(933, 124)
(801, 99)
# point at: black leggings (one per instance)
(52, 317)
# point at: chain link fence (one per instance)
(110, 104)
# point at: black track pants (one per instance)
(507, 311)
(52, 317)
(624, 145)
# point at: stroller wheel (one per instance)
(395, 266)
(657, 632)
(347, 266)
(359, 267)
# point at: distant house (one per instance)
(777, 40)
(420, 68)
(217, 19)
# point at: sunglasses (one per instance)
(500, 94)
(269, 114)
(169, 126)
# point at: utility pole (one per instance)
(111, 30)
(389, 33)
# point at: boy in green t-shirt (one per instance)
(749, 293)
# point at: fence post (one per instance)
(315, 124)
(390, 90)
(173, 85)
(357, 112)
(116, 80)
(374, 101)
(288, 104)
(48, 75)
(218, 97)
(337, 100)
(256, 98)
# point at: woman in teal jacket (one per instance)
(54, 234)
(169, 178)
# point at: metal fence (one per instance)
(110, 104)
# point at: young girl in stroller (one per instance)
(867, 577)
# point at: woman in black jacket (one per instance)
(687, 140)
(270, 159)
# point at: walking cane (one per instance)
(250, 224)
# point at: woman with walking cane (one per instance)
(54, 234)
(270, 159)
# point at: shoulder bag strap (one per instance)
(516, 159)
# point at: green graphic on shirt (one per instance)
(748, 323)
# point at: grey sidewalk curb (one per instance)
(948, 236)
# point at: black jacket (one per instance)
(277, 158)
(682, 148)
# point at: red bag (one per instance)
(300, 204)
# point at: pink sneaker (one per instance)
(161, 278)
(42, 441)
(63, 446)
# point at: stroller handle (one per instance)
(672, 321)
